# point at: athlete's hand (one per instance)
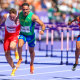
(41, 32)
(69, 23)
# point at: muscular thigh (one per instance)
(6, 44)
(21, 40)
(78, 45)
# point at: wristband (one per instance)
(42, 30)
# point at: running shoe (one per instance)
(31, 69)
(18, 63)
(13, 72)
(74, 67)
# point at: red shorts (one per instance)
(7, 41)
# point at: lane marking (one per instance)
(39, 73)
(35, 68)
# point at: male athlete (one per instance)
(27, 21)
(11, 36)
(77, 51)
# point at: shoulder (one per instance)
(5, 15)
(35, 16)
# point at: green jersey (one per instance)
(27, 25)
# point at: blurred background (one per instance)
(51, 12)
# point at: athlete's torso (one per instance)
(27, 25)
(10, 27)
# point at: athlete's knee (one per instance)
(20, 45)
(12, 47)
(31, 51)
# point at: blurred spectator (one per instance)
(63, 7)
(71, 17)
(48, 4)
(63, 18)
(20, 2)
(37, 5)
(74, 4)
(43, 4)
(56, 1)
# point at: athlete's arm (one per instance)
(3, 18)
(72, 21)
(35, 18)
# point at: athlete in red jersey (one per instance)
(77, 51)
(11, 36)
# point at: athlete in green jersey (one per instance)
(27, 21)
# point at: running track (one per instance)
(46, 68)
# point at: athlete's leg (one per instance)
(32, 54)
(31, 45)
(7, 46)
(7, 52)
(9, 59)
(20, 45)
(77, 52)
(14, 48)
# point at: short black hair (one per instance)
(25, 4)
(12, 10)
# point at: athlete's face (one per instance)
(25, 10)
(12, 16)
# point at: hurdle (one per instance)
(72, 28)
(67, 50)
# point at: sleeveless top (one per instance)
(27, 25)
(10, 27)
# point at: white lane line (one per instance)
(35, 68)
(38, 73)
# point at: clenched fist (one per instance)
(41, 32)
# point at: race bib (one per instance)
(25, 29)
(11, 29)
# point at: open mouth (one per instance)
(24, 12)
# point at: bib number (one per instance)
(11, 29)
(25, 29)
